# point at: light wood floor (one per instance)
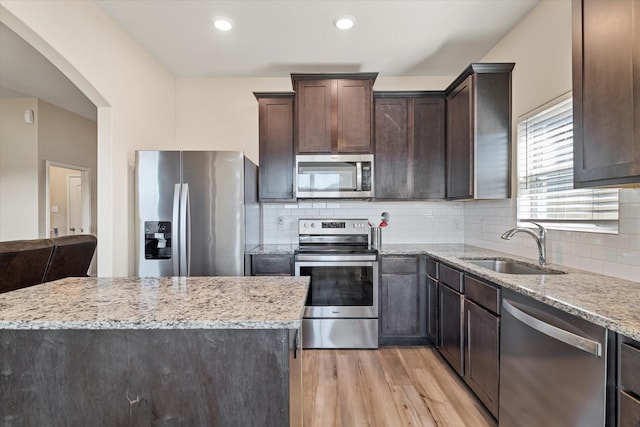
(391, 386)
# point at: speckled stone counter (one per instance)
(157, 303)
(273, 250)
(604, 300)
(148, 351)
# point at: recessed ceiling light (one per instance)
(344, 22)
(222, 23)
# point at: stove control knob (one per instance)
(313, 224)
(305, 225)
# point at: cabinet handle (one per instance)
(574, 340)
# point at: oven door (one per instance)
(340, 288)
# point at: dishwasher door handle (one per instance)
(574, 340)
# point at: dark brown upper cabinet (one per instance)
(409, 145)
(334, 112)
(275, 124)
(606, 92)
(479, 133)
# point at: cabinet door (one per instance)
(313, 113)
(271, 265)
(428, 148)
(482, 354)
(410, 147)
(276, 148)
(460, 141)
(606, 72)
(393, 163)
(400, 305)
(354, 116)
(450, 326)
(432, 310)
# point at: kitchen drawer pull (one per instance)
(574, 340)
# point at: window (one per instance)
(545, 175)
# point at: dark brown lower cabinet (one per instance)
(400, 305)
(628, 383)
(271, 265)
(402, 301)
(482, 354)
(432, 310)
(450, 343)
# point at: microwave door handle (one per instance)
(358, 176)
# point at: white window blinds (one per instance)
(545, 175)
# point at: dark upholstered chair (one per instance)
(23, 263)
(71, 256)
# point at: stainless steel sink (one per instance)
(509, 266)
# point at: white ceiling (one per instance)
(276, 38)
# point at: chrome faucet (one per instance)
(540, 238)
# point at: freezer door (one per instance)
(156, 177)
(215, 243)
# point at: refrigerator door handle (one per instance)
(185, 231)
(175, 228)
(574, 340)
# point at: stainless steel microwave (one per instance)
(334, 176)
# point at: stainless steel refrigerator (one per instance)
(197, 212)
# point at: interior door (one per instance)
(74, 204)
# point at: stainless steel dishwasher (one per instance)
(553, 366)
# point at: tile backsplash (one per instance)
(410, 222)
(478, 223)
(611, 254)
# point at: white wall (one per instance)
(56, 135)
(66, 137)
(221, 113)
(135, 97)
(18, 170)
(540, 45)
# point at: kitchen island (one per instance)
(153, 351)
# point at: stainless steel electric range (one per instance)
(342, 305)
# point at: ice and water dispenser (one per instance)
(157, 239)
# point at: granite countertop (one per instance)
(273, 250)
(157, 303)
(604, 300)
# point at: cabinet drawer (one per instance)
(630, 367)
(483, 294)
(451, 277)
(629, 411)
(399, 265)
(432, 268)
(271, 265)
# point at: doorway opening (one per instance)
(68, 201)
